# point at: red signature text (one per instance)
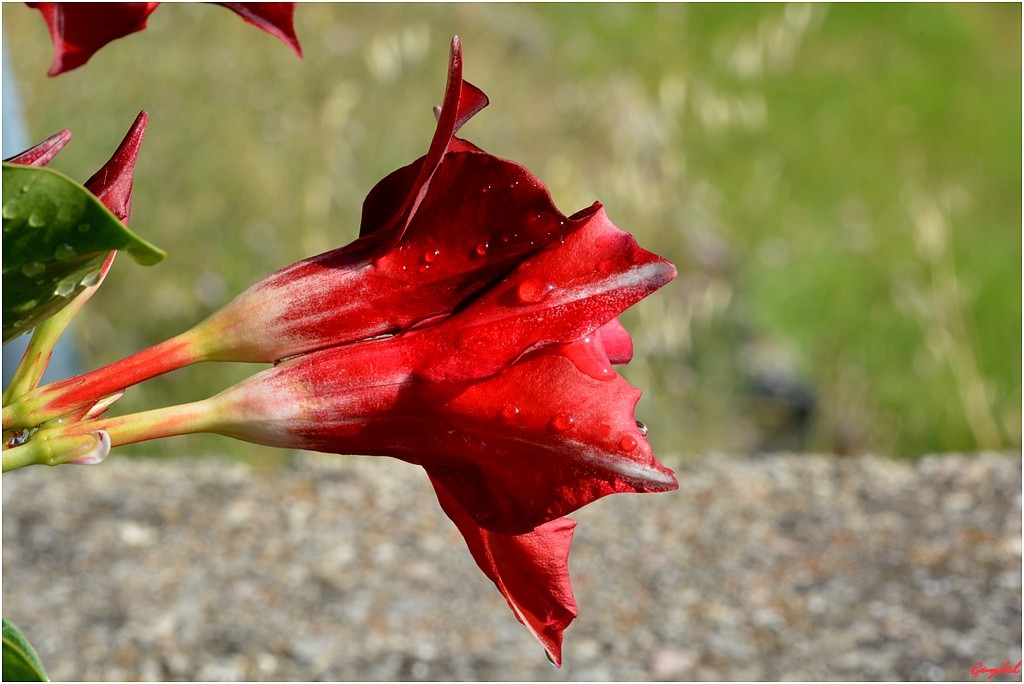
(1006, 668)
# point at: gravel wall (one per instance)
(780, 567)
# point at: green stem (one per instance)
(183, 419)
(68, 396)
(50, 451)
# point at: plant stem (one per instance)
(183, 419)
(66, 396)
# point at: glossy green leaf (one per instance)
(56, 237)
(21, 663)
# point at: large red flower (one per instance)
(512, 403)
(433, 234)
(79, 29)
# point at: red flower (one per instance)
(433, 234)
(512, 403)
(79, 30)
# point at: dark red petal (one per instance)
(530, 570)
(44, 152)
(553, 440)
(276, 18)
(556, 296)
(531, 444)
(617, 343)
(78, 30)
(461, 101)
(112, 184)
(479, 218)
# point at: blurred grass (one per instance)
(839, 185)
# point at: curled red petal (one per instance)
(461, 101)
(44, 152)
(556, 296)
(78, 30)
(615, 340)
(531, 571)
(276, 18)
(112, 183)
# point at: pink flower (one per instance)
(79, 30)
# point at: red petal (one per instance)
(530, 570)
(461, 101)
(44, 152)
(616, 341)
(531, 444)
(78, 30)
(112, 184)
(276, 18)
(558, 295)
(480, 217)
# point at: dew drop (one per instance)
(35, 220)
(24, 188)
(481, 248)
(91, 279)
(430, 256)
(627, 443)
(10, 211)
(65, 287)
(31, 270)
(18, 438)
(509, 411)
(604, 429)
(642, 427)
(424, 268)
(531, 290)
(562, 422)
(63, 251)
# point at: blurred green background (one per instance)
(840, 187)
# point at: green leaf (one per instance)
(56, 237)
(21, 664)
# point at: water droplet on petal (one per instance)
(35, 220)
(63, 251)
(562, 422)
(627, 443)
(91, 279)
(31, 270)
(604, 429)
(481, 249)
(430, 256)
(65, 287)
(24, 188)
(509, 412)
(25, 306)
(531, 290)
(642, 427)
